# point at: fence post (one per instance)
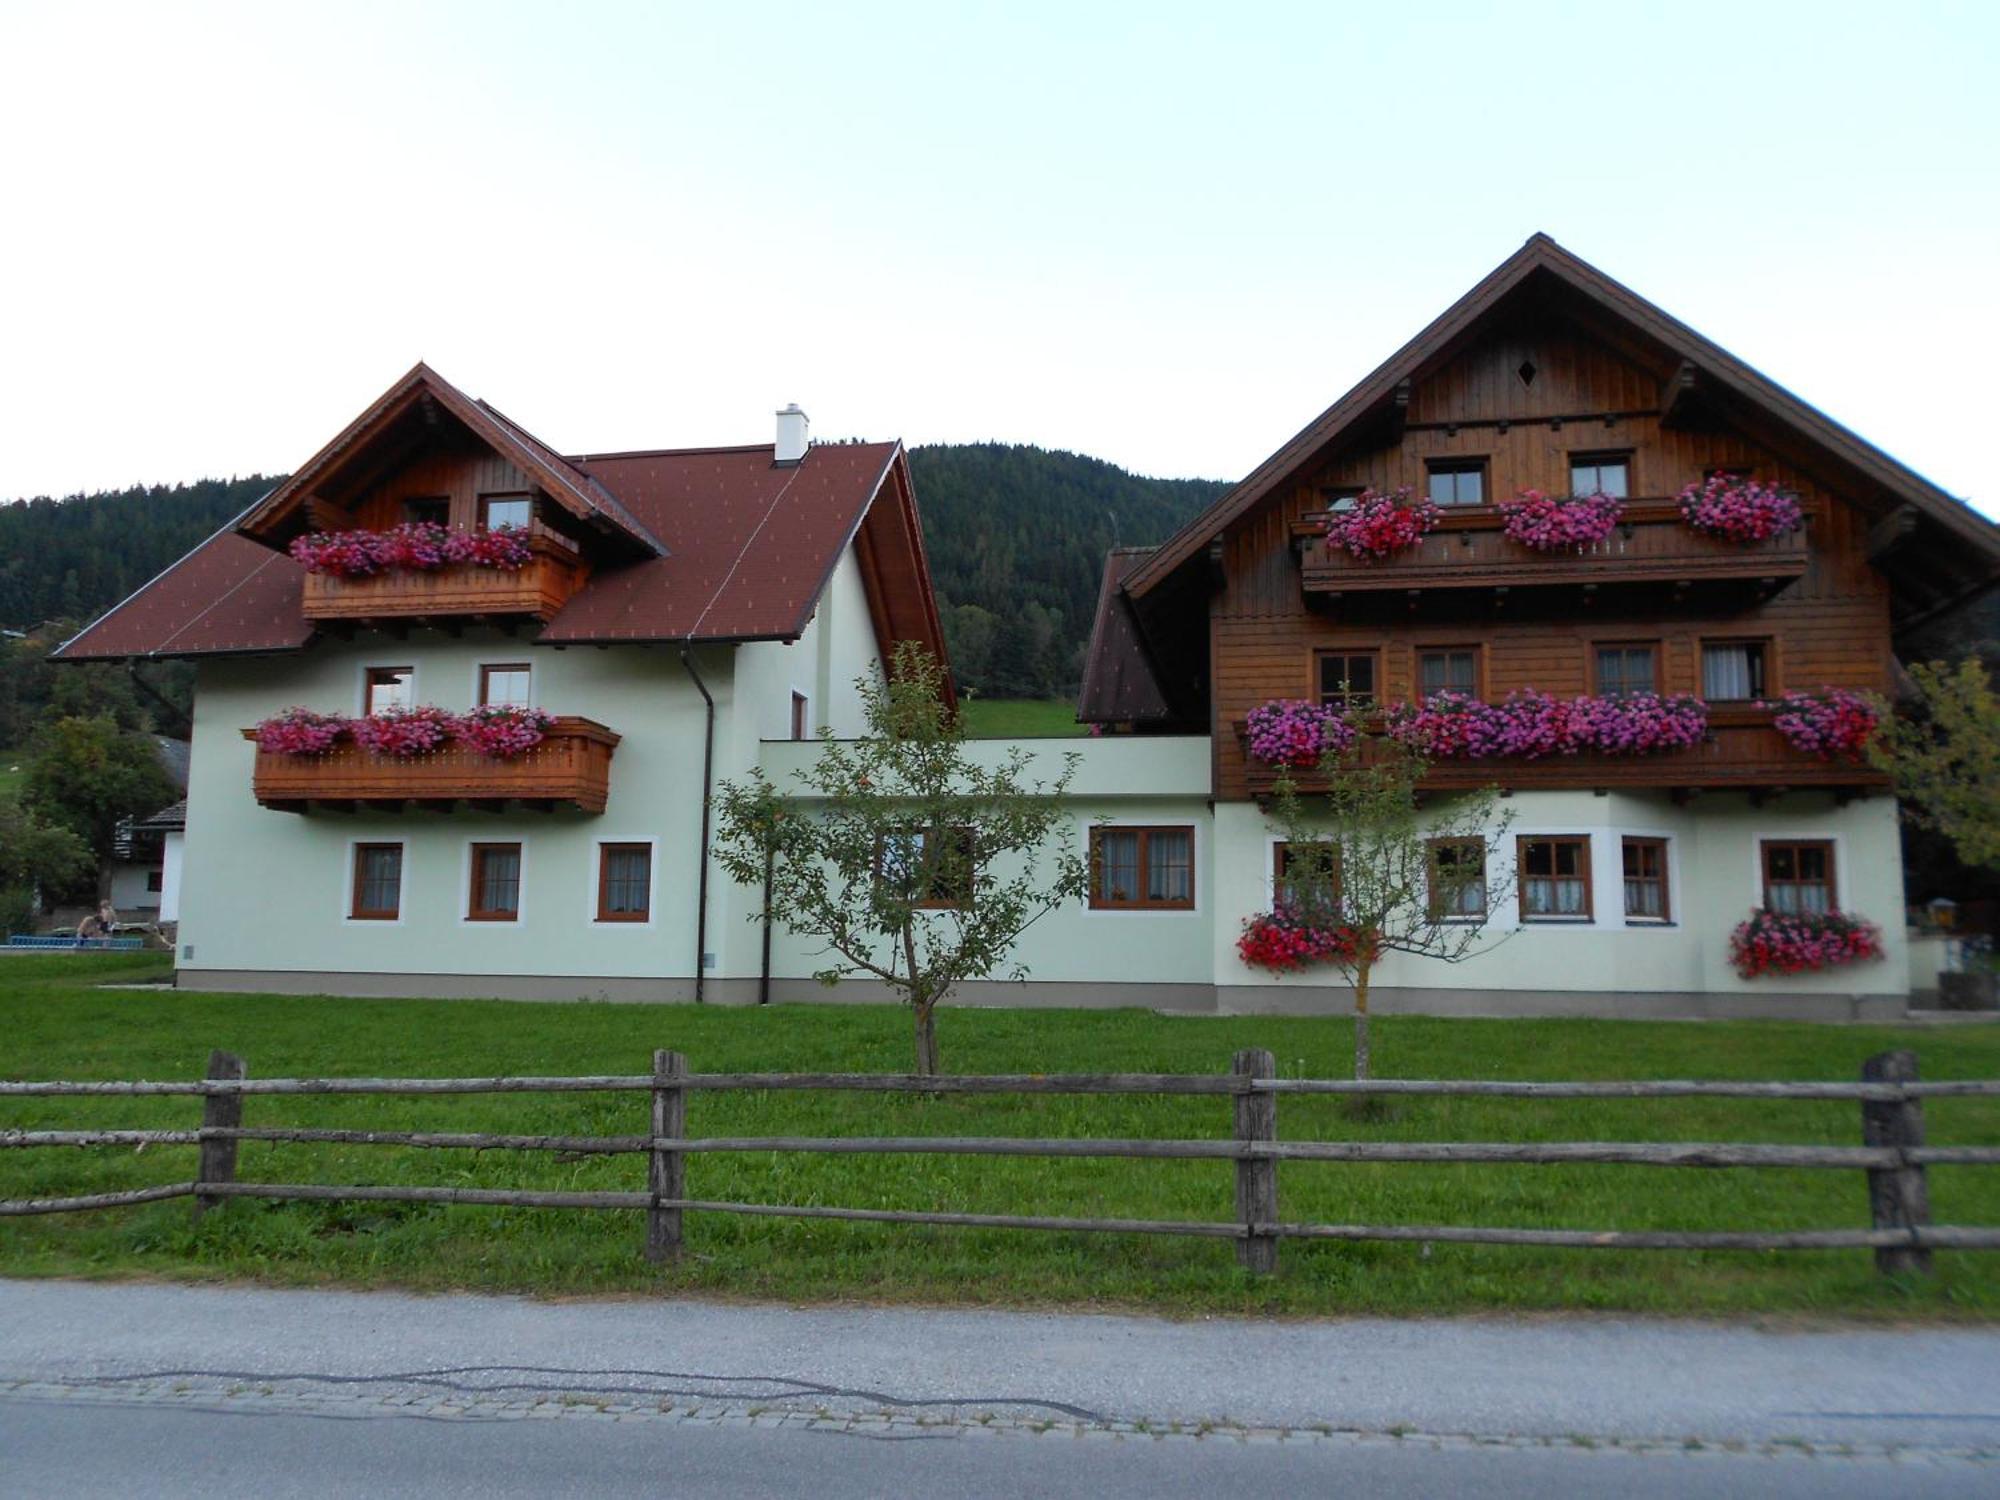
(666, 1171)
(1257, 1176)
(218, 1111)
(1898, 1197)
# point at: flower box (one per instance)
(570, 765)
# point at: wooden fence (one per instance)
(1892, 1152)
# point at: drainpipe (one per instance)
(707, 781)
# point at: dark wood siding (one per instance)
(1830, 627)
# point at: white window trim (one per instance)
(347, 917)
(594, 885)
(465, 917)
(361, 684)
(1676, 913)
(1197, 845)
(1759, 837)
(534, 685)
(1516, 920)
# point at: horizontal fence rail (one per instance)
(1893, 1155)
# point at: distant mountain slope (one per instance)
(71, 558)
(1017, 536)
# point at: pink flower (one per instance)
(1379, 526)
(300, 731)
(1795, 942)
(1530, 725)
(404, 732)
(502, 730)
(414, 546)
(1544, 524)
(1292, 732)
(1832, 723)
(1283, 940)
(1739, 510)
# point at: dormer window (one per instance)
(1601, 474)
(506, 510)
(1457, 481)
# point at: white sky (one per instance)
(1164, 235)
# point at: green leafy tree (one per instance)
(34, 857)
(909, 860)
(84, 774)
(1946, 757)
(1401, 876)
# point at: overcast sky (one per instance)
(1168, 236)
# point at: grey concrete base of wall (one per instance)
(1175, 999)
(1626, 1005)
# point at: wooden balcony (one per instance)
(570, 768)
(454, 592)
(1741, 752)
(1651, 547)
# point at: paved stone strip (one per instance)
(357, 1404)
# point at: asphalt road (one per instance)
(159, 1390)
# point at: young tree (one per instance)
(34, 856)
(909, 859)
(86, 774)
(1399, 877)
(1946, 758)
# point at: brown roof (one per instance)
(282, 511)
(1960, 547)
(1120, 684)
(739, 548)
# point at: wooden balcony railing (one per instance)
(1741, 752)
(457, 590)
(1469, 550)
(571, 767)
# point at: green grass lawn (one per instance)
(13, 771)
(58, 1025)
(1020, 718)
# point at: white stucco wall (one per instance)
(1714, 881)
(266, 890)
(173, 848)
(269, 890)
(1118, 781)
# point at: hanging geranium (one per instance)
(404, 731)
(300, 731)
(1283, 941)
(1545, 523)
(1735, 509)
(1379, 526)
(1796, 942)
(1292, 732)
(414, 546)
(1638, 723)
(1834, 722)
(1530, 725)
(502, 730)
(504, 547)
(342, 554)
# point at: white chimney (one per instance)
(792, 425)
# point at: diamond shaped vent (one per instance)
(1527, 372)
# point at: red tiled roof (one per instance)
(749, 546)
(749, 543)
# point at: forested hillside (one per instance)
(69, 559)
(1016, 537)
